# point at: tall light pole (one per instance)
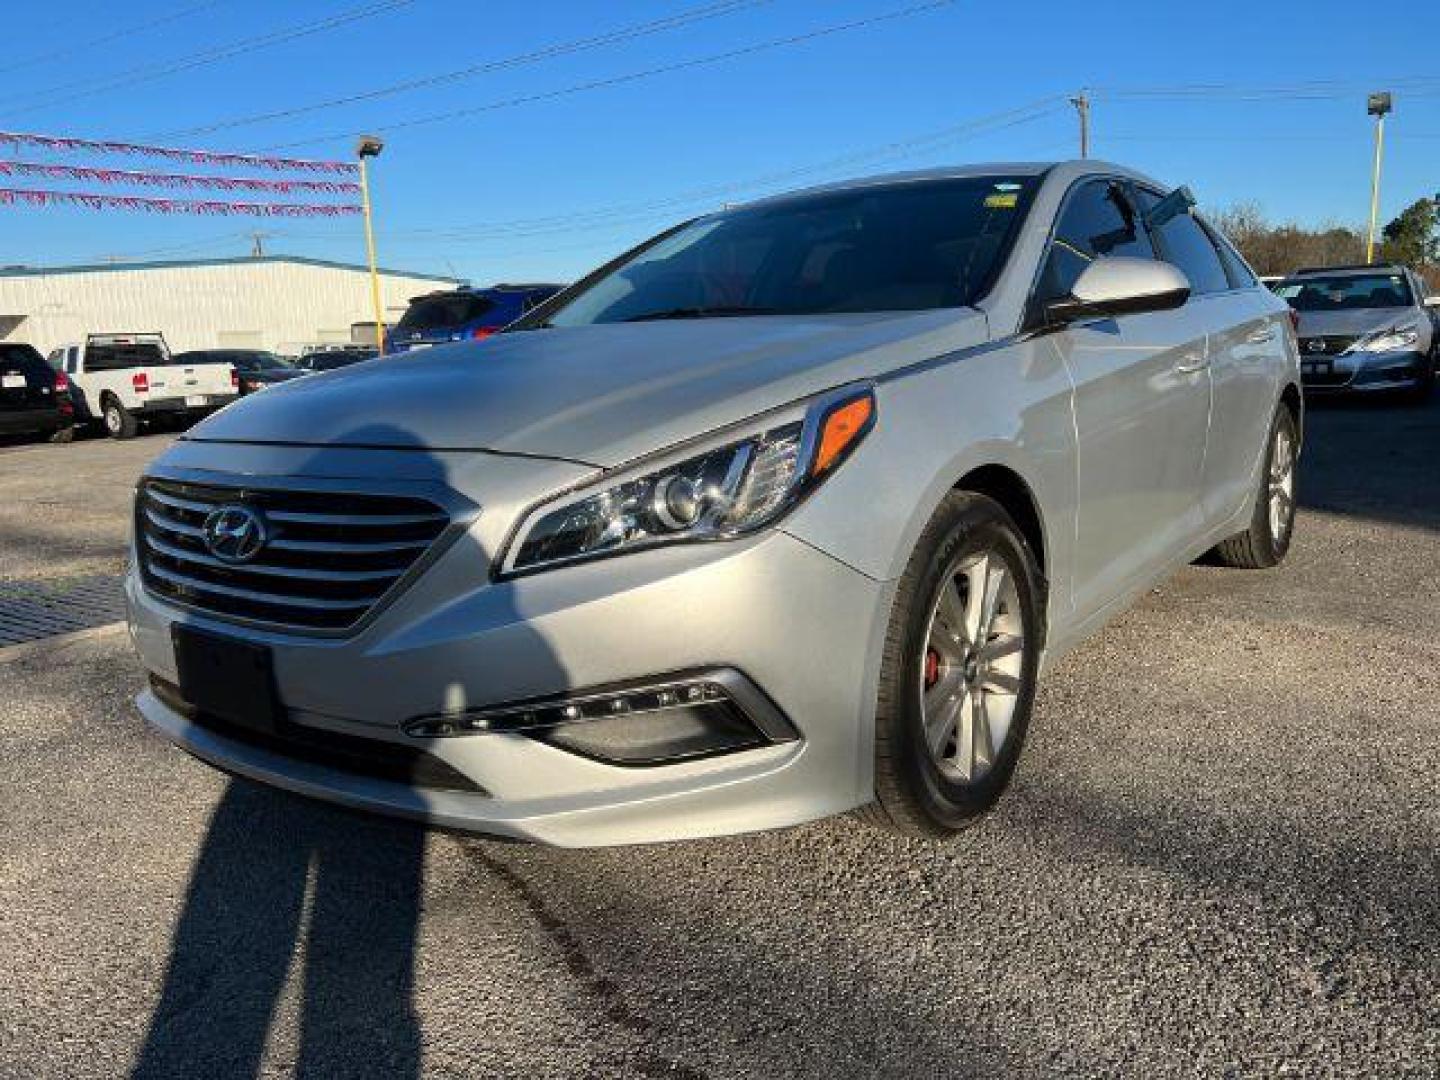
(1082, 106)
(370, 147)
(1377, 106)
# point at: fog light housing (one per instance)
(652, 722)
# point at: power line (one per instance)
(149, 73)
(124, 32)
(629, 77)
(623, 213)
(548, 52)
(1313, 90)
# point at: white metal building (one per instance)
(277, 302)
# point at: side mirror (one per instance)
(1120, 285)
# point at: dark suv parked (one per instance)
(34, 399)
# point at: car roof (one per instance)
(1063, 172)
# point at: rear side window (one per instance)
(24, 359)
(1183, 242)
(444, 312)
(1240, 275)
(1098, 220)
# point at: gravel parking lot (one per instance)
(1219, 857)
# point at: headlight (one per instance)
(1397, 337)
(734, 488)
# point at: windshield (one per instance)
(1348, 292)
(894, 247)
(446, 312)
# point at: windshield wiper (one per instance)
(698, 313)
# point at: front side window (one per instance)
(1184, 243)
(1346, 292)
(1098, 220)
(910, 246)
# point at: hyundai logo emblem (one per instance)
(1315, 345)
(235, 534)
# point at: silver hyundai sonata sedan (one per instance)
(778, 515)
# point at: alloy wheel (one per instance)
(1282, 484)
(971, 669)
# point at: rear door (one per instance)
(1246, 351)
(1142, 402)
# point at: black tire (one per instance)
(914, 795)
(63, 435)
(1258, 547)
(120, 422)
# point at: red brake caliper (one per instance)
(932, 668)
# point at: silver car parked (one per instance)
(779, 515)
(1364, 329)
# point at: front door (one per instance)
(1141, 407)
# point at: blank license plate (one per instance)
(226, 677)
(196, 401)
(12, 382)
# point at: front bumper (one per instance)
(1364, 372)
(801, 627)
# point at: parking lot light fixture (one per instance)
(1377, 105)
(369, 147)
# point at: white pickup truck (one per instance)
(123, 380)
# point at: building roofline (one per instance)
(237, 260)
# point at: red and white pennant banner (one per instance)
(91, 201)
(174, 180)
(197, 157)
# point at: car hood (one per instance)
(1353, 323)
(599, 395)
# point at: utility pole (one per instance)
(1081, 101)
(370, 147)
(1377, 105)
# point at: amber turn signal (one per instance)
(841, 429)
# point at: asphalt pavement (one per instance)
(1219, 857)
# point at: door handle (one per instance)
(1192, 363)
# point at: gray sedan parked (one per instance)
(1364, 329)
(779, 515)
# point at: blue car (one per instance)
(463, 314)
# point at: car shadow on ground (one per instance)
(269, 860)
(1372, 458)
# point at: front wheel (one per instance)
(1272, 523)
(959, 669)
(120, 422)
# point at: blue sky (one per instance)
(546, 189)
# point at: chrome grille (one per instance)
(329, 558)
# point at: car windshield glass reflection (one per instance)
(1346, 293)
(897, 247)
